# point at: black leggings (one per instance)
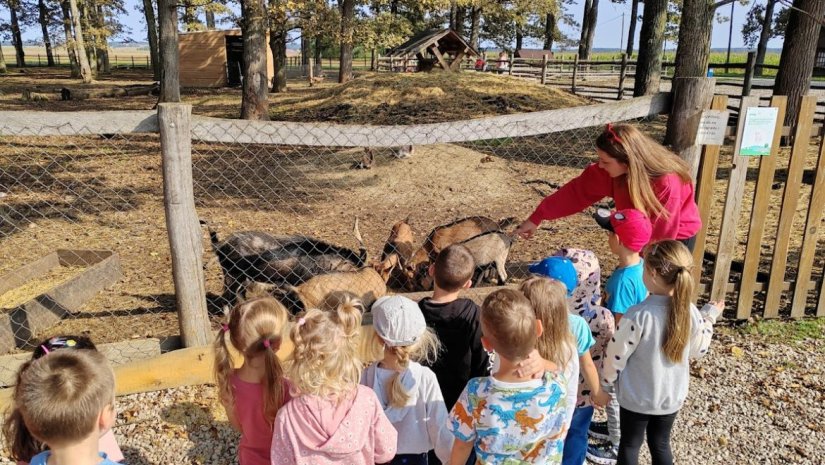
(633, 426)
(690, 243)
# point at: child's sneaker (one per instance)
(598, 430)
(603, 454)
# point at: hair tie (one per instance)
(46, 350)
(301, 321)
(267, 343)
(224, 327)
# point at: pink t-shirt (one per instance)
(256, 432)
(106, 444)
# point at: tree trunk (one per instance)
(210, 20)
(631, 30)
(277, 43)
(88, 37)
(152, 36)
(347, 16)
(102, 45)
(475, 26)
(764, 36)
(70, 45)
(318, 59)
(460, 16)
(394, 7)
(693, 51)
(43, 17)
(591, 12)
(453, 10)
(168, 51)
(254, 103)
(519, 38)
(798, 54)
(304, 54)
(3, 69)
(651, 40)
(190, 19)
(16, 37)
(80, 45)
(549, 30)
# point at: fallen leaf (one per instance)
(737, 351)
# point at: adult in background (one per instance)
(637, 172)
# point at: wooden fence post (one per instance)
(749, 69)
(510, 68)
(182, 225)
(544, 69)
(575, 71)
(622, 75)
(691, 96)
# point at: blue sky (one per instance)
(608, 27)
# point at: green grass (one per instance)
(784, 331)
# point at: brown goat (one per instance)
(397, 252)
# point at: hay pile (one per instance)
(36, 286)
(411, 98)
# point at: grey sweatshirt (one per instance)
(645, 380)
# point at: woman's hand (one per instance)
(525, 230)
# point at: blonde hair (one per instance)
(326, 360)
(59, 397)
(255, 328)
(646, 160)
(549, 300)
(672, 262)
(507, 317)
(424, 350)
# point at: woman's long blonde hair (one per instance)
(424, 350)
(671, 262)
(255, 328)
(646, 160)
(549, 300)
(326, 362)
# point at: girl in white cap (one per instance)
(408, 391)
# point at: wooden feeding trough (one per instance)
(36, 296)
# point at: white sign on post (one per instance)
(757, 137)
(712, 126)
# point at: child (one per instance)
(455, 322)
(408, 392)
(331, 418)
(629, 231)
(566, 339)
(253, 393)
(649, 357)
(22, 445)
(508, 418)
(585, 303)
(65, 400)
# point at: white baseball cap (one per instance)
(398, 320)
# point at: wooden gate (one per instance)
(760, 242)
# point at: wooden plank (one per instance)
(342, 135)
(622, 76)
(789, 201)
(182, 223)
(810, 238)
(439, 57)
(51, 123)
(19, 276)
(455, 66)
(575, 71)
(761, 203)
(733, 205)
(704, 191)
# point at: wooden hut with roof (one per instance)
(435, 48)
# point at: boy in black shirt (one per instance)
(456, 322)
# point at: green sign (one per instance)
(757, 136)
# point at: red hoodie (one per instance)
(594, 184)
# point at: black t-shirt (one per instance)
(462, 357)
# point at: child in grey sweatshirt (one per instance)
(647, 359)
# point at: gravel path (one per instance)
(750, 401)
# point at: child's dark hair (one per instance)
(21, 442)
(454, 266)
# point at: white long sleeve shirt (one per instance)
(646, 381)
(422, 423)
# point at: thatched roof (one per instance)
(448, 42)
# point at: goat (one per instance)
(397, 252)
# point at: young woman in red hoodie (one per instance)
(637, 172)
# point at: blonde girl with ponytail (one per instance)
(331, 419)
(647, 359)
(253, 393)
(408, 391)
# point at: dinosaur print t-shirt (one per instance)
(512, 423)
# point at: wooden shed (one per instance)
(214, 58)
(442, 48)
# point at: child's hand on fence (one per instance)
(600, 398)
(720, 304)
(525, 230)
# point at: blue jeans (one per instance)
(575, 446)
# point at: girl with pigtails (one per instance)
(408, 391)
(331, 419)
(648, 358)
(253, 393)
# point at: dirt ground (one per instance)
(99, 193)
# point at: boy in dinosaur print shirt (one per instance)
(507, 418)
